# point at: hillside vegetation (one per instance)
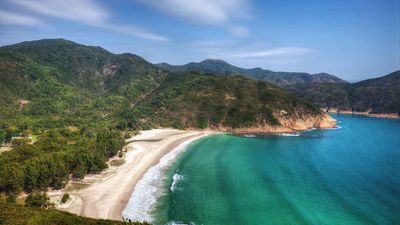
(278, 78)
(379, 95)
(11, 214)
(197, 100)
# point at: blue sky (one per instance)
(353, 39)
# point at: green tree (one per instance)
(37, 200)
(12, 198)
(32, 171)
(11, 178)
(65, 198)
(109, 142)
(20, 141)
(80, 170)
(2, 136)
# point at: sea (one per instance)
(348, 175)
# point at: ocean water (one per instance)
(340, 176)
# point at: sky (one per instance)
(352, 39)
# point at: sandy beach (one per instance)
(106, 195)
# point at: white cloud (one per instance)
(206, 12)
(200, 11)
(246, 54)
(238, 31)
(87, 12)
(9, 18)
(135, 31)
(277, 52)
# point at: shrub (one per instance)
(37, 200)
(12, 198)
(20, 141)
(65, 198)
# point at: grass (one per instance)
(76, 186)
(145, 140)
(4, 149)
(12, 214)
(117, 162)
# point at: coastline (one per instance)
(106, 195)
(288, 125)
(151, 187)
(366, 113)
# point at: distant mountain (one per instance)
(278, 78)
(378, 95)
(74, 84)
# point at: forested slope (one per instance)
(278, 78)
(377, 96)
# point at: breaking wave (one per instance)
(148, 189)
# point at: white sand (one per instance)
(107, 197)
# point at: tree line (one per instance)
(57, 155)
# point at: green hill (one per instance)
(196, 100)
(90, 68)
(70, 83)
(282, 79)
(378, 95)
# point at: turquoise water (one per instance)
(343, 176)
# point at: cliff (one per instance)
(323, 121)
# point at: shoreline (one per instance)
(151, 186)
(367, 113)
(107, 196)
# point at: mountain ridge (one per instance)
(379, 95)
(278, 78)
(372, 96)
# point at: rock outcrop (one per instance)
(288, 125)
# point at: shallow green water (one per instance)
(344, 176)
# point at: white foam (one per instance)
(250, 135)
(335, 128)
(175, 179)
(149, 188)
(289, 134)
(179, 223)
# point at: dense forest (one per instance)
(278, 78)
(379, 95)
(57, 154)
(191, 99)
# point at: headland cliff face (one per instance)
(286, 125)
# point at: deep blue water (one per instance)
(342, 176)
